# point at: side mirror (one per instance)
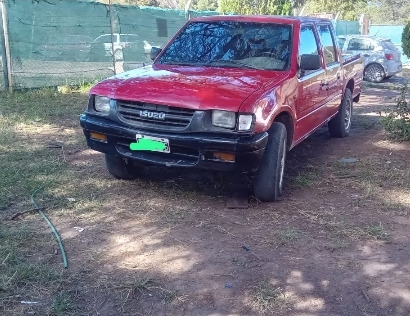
(310, 62)
(154, 52)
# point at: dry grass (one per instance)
(268, 299)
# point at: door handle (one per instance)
(366, 55)
(338, 76)
(324, 84)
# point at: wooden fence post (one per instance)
(7, 62)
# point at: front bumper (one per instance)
(187, 150)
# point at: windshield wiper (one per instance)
(231, 63)
(183, 63)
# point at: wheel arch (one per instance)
(286, 119)
(374, 63)
(350, 85)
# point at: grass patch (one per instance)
(267, 298)
(141, 285)
(302, 174)
(29, 122)
(63, 304)
(22, 268)
(286, 237)
(397, 121)
(376, 231)
(305, 178)
(374, 177)
(341, 232)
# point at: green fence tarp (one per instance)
(57, 42)
(347, 27)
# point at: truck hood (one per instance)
(199, 88)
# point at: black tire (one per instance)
(374, 73)
(339, 126)
(118, 168)
(268, 182)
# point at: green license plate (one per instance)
(149, 143)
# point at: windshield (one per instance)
(231, 44)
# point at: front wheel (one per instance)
(119, 168)
(339, 126)
(268, 181)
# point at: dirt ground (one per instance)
(336, 244)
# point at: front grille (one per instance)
(156, 115)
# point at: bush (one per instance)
(405, 39)
(397, 122)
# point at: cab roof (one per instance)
(262, 19)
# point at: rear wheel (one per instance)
(339, 126)
(268, 180)
(374, 73)
(119, 168)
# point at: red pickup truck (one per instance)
(228, 93)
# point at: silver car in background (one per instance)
(381, 58)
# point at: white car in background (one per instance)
(381, 58)
(121, 42)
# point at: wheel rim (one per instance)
(375, 73)
(348, 114)
(282, 165)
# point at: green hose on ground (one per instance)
(50, 224)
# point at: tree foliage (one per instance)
(346, 8)
(385, 11)
(200, 5)
(405, 39)
(397, 121)
(276, 7)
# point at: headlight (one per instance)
(102, 104)
(223, 119)
(245, 122)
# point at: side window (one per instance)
(307, 41)
(329, 50)
(360, 44)
(307, 44)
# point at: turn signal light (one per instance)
(99, 137)
(224, 156)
